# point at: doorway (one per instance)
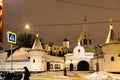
(83, 66)
(71, 67)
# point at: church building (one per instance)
(35, 58)
(80, 58)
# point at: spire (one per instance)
(85, 19)
(111, 35)
(85, 30)
(37, 43)
(85, 39)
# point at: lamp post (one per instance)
(97, 55)
(65, 71)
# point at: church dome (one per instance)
(78, 49)
(65, 39)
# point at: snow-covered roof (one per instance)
(20, 54)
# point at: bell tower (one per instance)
(85, 38)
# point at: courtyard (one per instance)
(59, 75)
(74, 75)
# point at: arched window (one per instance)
(85, 41)
(90, 41)
(78, 50)
(33, 60)
(112, 58)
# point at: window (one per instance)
(90, 41)
(119, 55)
(51, 66)
(78, 50)
(112, 58)
(33, 60)
(57, 66)
(85, 41)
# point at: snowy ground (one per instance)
(75, 75)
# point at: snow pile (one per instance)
(101, 76)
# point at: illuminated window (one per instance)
(57, 66)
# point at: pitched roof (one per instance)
(20, 54)
(85, 33)
(111, 35)
(37, 43)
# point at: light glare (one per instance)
(27, 26)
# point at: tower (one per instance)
(37, 43)
(66, 43)
(85, 38)
(37, 60)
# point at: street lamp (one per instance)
(27, 27)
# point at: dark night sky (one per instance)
(52, 12)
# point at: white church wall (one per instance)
(113, 48)
(93, 63)
(56, 66)
(17, 66)
(107, 64)
(112, 57)
(111, 63)
(37, 63)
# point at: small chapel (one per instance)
(79, 60)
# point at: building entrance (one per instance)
(83, 66)
(71, 67)
(48, 66)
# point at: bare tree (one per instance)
(25, 40)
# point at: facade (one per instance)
(36, 59)
(80, 59)
(56, 50)
(110, 59)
